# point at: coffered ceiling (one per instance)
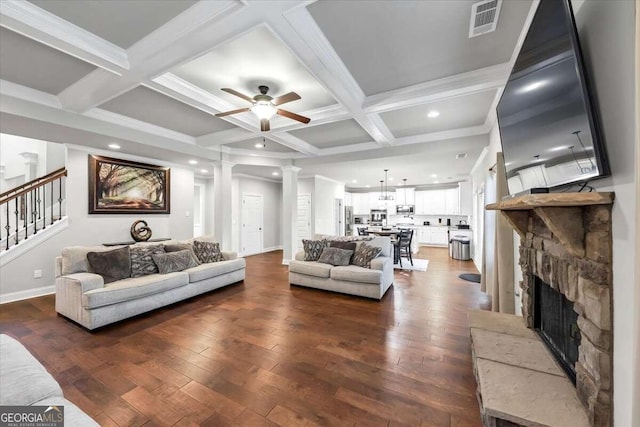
(150, 73)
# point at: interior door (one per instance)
(198, 210)
(251, 224)
(303, 220)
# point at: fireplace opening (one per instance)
(557, 324)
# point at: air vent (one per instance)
(462, 155)
(484, 17)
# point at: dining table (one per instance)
(393, 233)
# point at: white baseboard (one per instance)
(285, 261)
(272, 248)
(26, 294)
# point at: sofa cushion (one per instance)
(214, 269)
(24, 380)
(350, 246)
(111, 265)
(313, 249)
(173, 261)
(74, 258)
(142, 262)
(335, 256)
(207, 251)
(364, 255)
(310, 268)
(353, 273)
(132, 288)
(175, 247)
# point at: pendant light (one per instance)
(404, 185)
(385, 195)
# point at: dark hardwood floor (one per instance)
(262, 353)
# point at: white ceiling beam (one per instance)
(31, 21)
(294, 143)
(443, 135)
(481, 80)
(224, 137)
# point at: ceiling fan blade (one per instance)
(288, 97)
(238, 94)
(228, 113)
(294, 116)
(264, 125)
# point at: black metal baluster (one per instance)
(60, 198)
(17, 223)
(34, 211)
(39, 202)
(26, 215)
(51, 202)
(43, 208)
(7, 227)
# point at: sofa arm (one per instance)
(86, 281)
(229, 255)
(300, 256)
(381, 263)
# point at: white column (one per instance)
(30, 165)
(222, 204)
(289, 211)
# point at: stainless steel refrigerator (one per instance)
(348, 220)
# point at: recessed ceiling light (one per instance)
(253, 154)
(433, 113)
(390, 178)
(368, 186)
(354, 181)
(275, 173)
(193, 162)
(436, 182)
(259, 145)
(559, 148)
(114, 146)
(434, 175)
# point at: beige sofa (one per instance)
(25, 382)
(353, 280)
(84, 298)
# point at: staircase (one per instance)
(31, 213)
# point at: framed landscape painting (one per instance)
(126, 187)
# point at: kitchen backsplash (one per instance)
(420, 219)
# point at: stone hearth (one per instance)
(566, 242)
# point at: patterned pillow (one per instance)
(141, 259)
(207, 251)
(335, 256)
(175, 247)
(111, 265)
(350, 246)
(365, 254)
(172, 261)
(313, 249)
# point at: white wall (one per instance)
(271, 193)
(606, 31)
(85, 229)
(50, 156)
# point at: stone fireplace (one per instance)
(566, 245)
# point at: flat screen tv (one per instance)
(548, 120)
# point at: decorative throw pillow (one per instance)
(172, 261)
(365, 254)
(207, 251)
(313, 249)
(141, 259)
(350, 246)
(335, 256)
(111, 265)
(175, 247)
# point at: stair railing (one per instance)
(24, 209)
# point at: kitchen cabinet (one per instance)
(437, 202)
(433, 236)
(465, 196)
(347, 199)
(405, 196)
(451, 202)
(424, 235)
(360, 203)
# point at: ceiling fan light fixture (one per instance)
(263, 109)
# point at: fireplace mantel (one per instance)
(566, 242)
(558, 211)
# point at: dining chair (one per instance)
(362, 231)
(404, 245)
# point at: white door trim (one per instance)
(310, 213)
(242, 221)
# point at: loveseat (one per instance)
(84, 297)
(25, 382)
(349, 279)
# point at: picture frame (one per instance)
(126, 187)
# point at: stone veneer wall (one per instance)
(585, 281)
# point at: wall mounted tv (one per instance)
(547, 116)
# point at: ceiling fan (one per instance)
(264, 106)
